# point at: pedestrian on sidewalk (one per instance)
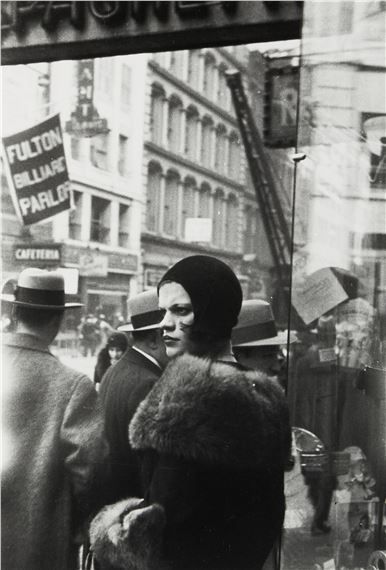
(54, 451)
(109, 355)
(126, 384)
(213, 439)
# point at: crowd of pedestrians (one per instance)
(177, 463)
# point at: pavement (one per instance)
(73, 359)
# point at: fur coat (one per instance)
(214, 439)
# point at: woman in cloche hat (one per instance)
(212, 437)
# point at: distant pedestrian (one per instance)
(213, 439)
(89, 335)
(105, 329)
(54, 451)
(126, 384)
(109, 355)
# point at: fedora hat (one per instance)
(40, 289)
(144, 312)
(256, 326)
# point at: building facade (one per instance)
(166, 180)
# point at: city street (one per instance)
(84, 364)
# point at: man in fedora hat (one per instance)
(256, 342)
(127, 383)
(54, 450)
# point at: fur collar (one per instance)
(213, 412)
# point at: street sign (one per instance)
(36, 169)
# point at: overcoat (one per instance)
(123, 387)
(214, 440)
(54, 456)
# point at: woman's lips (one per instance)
(169, 340)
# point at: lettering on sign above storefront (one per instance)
(93, 29)
(46, 254)
(37, 171)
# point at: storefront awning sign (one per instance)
(37, 173)
(93, 264)
(38, 254)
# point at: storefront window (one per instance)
(336, 373)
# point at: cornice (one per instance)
(224, 180)
(175, 242)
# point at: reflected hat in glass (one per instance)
(40, 289)
(144, 312)
(256, 326)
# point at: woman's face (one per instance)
(177, 307)
(115, 354)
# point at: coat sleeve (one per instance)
(85, 447)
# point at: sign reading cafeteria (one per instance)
(37, 171)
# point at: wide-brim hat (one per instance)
(256, 326)
(144, 312)
(282, 338)
(40, 289)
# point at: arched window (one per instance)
(218, 218)
(188, 201)
(209, 75)
(250, 229)
(232, 215)
(206, 146)
(174, 123)
(222, 94)
(203, 201)
(171, 204)
(153, 197)
(157, 111)
(234, 155)
(191, 132)
(220, 158)
(194, 68)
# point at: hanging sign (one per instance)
(37, 173)
(85, 120)
(280, 119)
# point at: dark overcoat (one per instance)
(123, 387)
(214, 440)
(54, 456)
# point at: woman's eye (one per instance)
(183, 311)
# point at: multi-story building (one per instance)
(194, 167)
(99, 237)
(170, 161)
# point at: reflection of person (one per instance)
(126, 384)
(52, 429)
(256, 342)
(213, 437)
(110, 354)
(317, 386)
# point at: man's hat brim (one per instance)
(11, 299)
(280, 339)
